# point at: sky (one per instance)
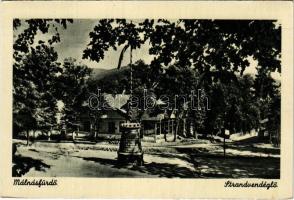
(75, 38)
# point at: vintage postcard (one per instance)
(147, 99)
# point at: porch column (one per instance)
(142, 130)
(91, 128)
(172, 126)
(165, 130)
(49, 134)
(96, 126)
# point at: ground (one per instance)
(170, 160)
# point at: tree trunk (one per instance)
(95, 133)
(224, 145)
(65, 133)
(141, 131)
(164, 132)
(160, 127)
(172, 131)
(28, 135)
(195, 131)
(177, 129)
(184, 128)
(73, 136)
(95, 129)
(34, 136)
(155, 131)
(49, 134)
(195, 134)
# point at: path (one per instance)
(90, 160)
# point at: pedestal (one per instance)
(130, 149)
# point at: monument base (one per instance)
(130, 158)
(130, 149)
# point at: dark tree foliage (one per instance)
(26, 38)
(206, 45)
(35, 70)
(72, 89)
(34, 105)
(211, 54)
(109, 33)
(234, 105)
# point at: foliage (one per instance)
(187, 55)
(206, 45)
(72, 88)
(26, 38)
(212, 54)
(33, 102)
(35, 69)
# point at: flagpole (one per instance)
(131, 69)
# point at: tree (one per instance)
(235, 106)
(33, 85)
(269, 97)
(72, 90)
(218, 50)
(177, 84)
(34, 70)
(274, 116)
(25, 39)
(174, 81)
(206, 45)
(117, 82)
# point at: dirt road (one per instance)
(73, 160)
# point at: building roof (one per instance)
(147, 117)
(116, 101)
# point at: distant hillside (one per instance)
(98, 73)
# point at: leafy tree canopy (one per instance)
(205, 45)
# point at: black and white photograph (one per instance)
(146, 98)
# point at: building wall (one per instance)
(108, 123)
(105, 126)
